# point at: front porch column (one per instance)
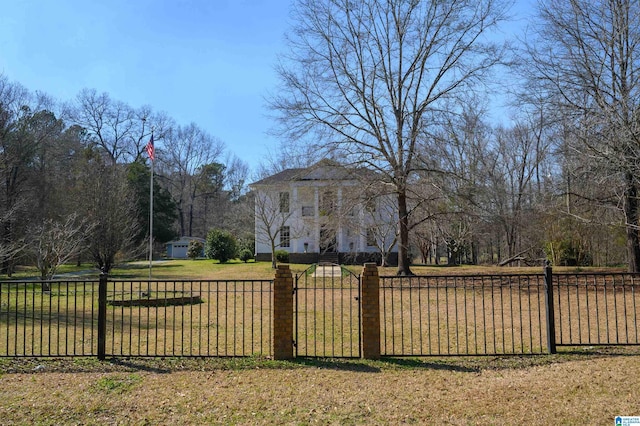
(296, 218)
(316, 217)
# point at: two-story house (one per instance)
(325, 213)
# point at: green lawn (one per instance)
(207, 269)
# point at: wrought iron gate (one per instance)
(327, 312)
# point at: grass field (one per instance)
(566, 389)
(208, 269)
(587, 386)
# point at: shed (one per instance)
(177, 249)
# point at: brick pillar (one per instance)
(283, 313)
(370, 311)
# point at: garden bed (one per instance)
(157, 298)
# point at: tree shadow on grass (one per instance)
(412, 363)
(162, 365)
(140, 365)
(339, 364)
(464, 364)
(370, 366)
(600, 351)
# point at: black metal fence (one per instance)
(419, 315)
(58, 322)
(136, 318)
(463, 315)
(597, 309)
(507, 314)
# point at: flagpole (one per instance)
(151, 210)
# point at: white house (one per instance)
(325, 213)
(177, 249)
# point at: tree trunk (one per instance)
(273, 254)
(632, 212)
(403, 247)
(191, 220)
(5, 261)
(475, 248)
(181, 219)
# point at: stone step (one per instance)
(329, 258)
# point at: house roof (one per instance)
(322, 170)
(186, 239)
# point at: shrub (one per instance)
(246, 254)
(282, 256)
(247, 243)
(195, 249)
(221, 245)
(567, 252)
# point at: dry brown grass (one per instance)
(539, 391)
(547, 389)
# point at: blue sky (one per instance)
(203, 61)
(208, 62)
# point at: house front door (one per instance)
(328, 241)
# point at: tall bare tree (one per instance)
(119, 130)
(186, 151)
(587, 55)
(104, 197)
(511, 168)
(455, 200)
(109, 124)
(365, 76)
(17, 151)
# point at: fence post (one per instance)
(102, 316)
(549, 305)
(370, 311)
(283, 313)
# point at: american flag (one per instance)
(151, 150)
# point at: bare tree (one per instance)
(105, 198)
(186, 151)
(272, 214)
(287, 154)
(586, 56)
(511, 168)
(237, 173)
(367, 212)
(53, 243)
(9, 248)
(364, 77)
(109, 124)
(455, 200)
(146, 122)
(120, 131)
(17, 151)
(379, 231)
